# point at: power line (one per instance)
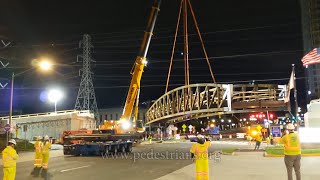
(213, 57)
(163, 85)
(208, 42)
(209, 32)
(165, 29)
(200, 75)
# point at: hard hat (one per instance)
(38, 138)
(199, 136)
(46, 137)
(290, 126)
(13, 141)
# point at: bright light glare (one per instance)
(254, 133)
(309, 135)
(126, 124)
(54, 95)
(45, 65)
(145, 62)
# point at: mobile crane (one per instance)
(118, 135)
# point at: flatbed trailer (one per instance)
(98, 144)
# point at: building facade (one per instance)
(115, 114)
(310, 16)
(52, 124)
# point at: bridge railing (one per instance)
(46, 114)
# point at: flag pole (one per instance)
(295, 97)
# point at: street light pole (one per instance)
(55, 106)
(11, 102)
(45, 66)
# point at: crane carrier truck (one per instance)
(116, 136)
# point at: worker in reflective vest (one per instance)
(199, 152)
(292, 152)
(38, 145)
(9, 157)
(45, 152)
(271, 138)
(258, 141)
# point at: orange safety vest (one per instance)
(291, 144)
(9, 157)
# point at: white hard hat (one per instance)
(199, 136)
(290, 127)
(13, 141)
(46, 137)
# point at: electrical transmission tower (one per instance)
(3, 61)
(86, 99)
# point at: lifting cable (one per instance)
(186, 53)
(186, 45)
(173, 48)
(204, 50)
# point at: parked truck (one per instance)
(116, 135)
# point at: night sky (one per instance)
(245, 40)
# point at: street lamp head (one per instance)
(54, 95)
(45, 65)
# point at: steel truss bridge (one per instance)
(205, 100)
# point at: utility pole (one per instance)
(295, 97)
(86, 99)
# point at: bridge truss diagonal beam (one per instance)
(205, 100)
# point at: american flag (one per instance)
(313, 57)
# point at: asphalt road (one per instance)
(147, 162)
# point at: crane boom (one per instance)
(139, 64)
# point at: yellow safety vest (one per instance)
(291, 143)
(202, 161)
(259, 138)
(9, 157)
(38, 146)
(46, 147)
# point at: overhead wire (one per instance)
(162, 85)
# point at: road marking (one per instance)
(74, 168)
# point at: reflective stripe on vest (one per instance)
(38, 146)
(8, 157)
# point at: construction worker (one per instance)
(9, 157)
(199, 152)
(271, 138)
(258, 141)
(249, 139)
(38, 145)
(150, 139)
(45, 153)
(292, 152)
